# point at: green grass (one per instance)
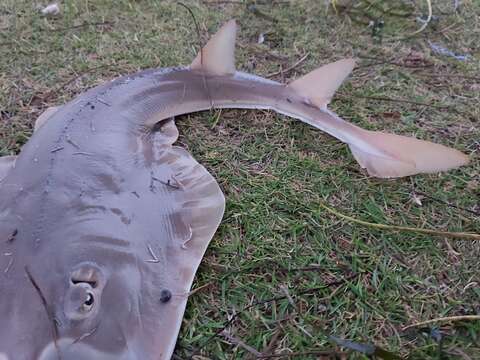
(367, 284)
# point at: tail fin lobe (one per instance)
(396, 155)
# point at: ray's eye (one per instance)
(80, 301)
(165, 296)
(83, 295)
(88, 303)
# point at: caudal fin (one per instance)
(389, 155)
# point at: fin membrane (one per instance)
(320, 85)
(166, 132)
(6, 164)
(197, 209)
(397, 155)
(199, 203)
(218, 55)
(47, 114)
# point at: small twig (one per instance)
(443, 319)
(57, 149)
(305, 353)
(268, 2)
(84, 25)
(100, 100)
(287, 294)
(268, 350)
(85, 335)
(271, 300)
(389, 62)
(200, 288)
(189, 238)
(83, 153)
(392, 63)
(445, 107)
(425, 24)
(255, 11)
(73, 79)
(167, 183)
(423, 27)
(12, 236)
(9, 265)
(236, 341)
(71, 142)
(302, 59)
(455, 235)
(46, 308)
(39, 291)
(136, 194)
(154, 258)
(450, 76)
(447, 203)
(381, 98)
(197, 28)
(224, 2)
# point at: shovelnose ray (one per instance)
(103, 222)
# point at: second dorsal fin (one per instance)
(320, 85)
(218, 55)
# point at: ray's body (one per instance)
(105, 222)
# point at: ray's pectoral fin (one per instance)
(47, 114)
(199, 206)
(165, 132)
(6, 164)
(196, 205)
(199, 201)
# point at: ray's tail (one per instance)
(381, 154)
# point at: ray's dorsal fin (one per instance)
(218, 56)
(320, 85)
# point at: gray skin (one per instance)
(103, 223)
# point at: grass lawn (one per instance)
(287, 273)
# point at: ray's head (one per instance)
(93, 297)
(87, 277)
